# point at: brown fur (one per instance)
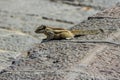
(61, 33)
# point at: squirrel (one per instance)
(61, 33)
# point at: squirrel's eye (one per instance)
(43, 26)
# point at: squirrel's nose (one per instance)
(36, 31)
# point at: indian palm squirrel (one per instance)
(61, 33)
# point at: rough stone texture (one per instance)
(57, 59)
(109, 13)
(44, 60)
(97, 4)
(106, 64)
(19, 19)
(6, 57)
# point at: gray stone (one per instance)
(58, 59)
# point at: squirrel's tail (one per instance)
(86, 32)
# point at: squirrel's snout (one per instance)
(36, 31)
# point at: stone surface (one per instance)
(97, 4)
(19, 19)
(45, 8)
(58, 59)
(108, 13)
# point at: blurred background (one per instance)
(61, 13)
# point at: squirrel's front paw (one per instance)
(45, 40)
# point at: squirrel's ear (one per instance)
(43, 26)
